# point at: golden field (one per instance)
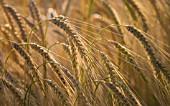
(84, 53)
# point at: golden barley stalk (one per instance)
(29, 62)
(156, 64)
(14, 90)
(17, 18)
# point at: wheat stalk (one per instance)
(29, 62)
(118, 94)
(130, 58)
(156, 64)
(63, 23)
(9, 18)
(109, 65)
(17, 17)
(112, 14)
(58, 91)
(137, 9)
(14, 90)
(51, 60)
(58, 66)
(36, 15)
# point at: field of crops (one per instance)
(84, 53)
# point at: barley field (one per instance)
(84, 53)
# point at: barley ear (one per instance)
(154, 61)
